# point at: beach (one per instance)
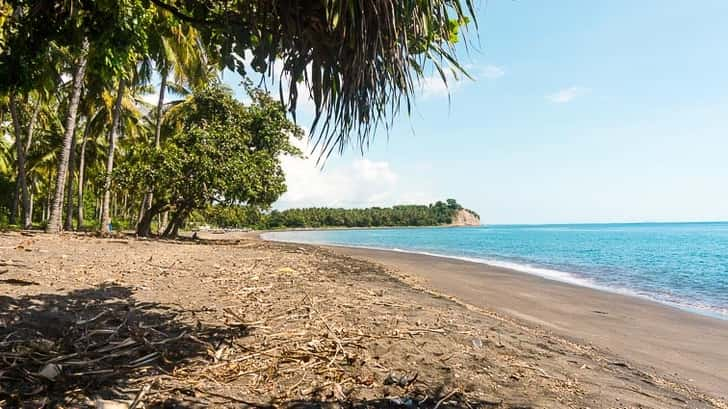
(665, 339)
(233, 321)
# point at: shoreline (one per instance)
(668, 339)
(558, 276)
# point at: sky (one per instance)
(579, 112)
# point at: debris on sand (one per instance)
(143, 324)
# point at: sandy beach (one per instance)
(670, 341)
(239, 322)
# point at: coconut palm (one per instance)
(74, 97)
(360, 61)
(101, 109)
(176, 50)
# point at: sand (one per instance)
(693, 348)
(248, 323)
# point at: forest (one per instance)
(113, 114)
(438, 213)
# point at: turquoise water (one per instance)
(682, 264)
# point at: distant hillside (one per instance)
(465, 217)
(440, 213)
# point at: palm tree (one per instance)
(99, 107)
(360, 61)
(113, 132)
(177, 50)
(79, 70)
(21, 153)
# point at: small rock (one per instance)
(50, 371)
(400, 380)
(477, 343)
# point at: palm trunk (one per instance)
(68, 225)
(22, 182)
(149, 197)
(28, 215)
(81, 171)
(31, 126)
(105, 215)
(14, 203)
(47, 207)
(160, 107)
(30, 207)
(54, 222)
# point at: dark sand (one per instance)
(671, 341)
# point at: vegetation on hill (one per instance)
(82, 147)
(438, 213)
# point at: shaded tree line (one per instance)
(438, 213)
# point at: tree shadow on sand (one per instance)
(55, 348)
(65, 350)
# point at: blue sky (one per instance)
(580, 112)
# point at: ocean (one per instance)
(680, 264)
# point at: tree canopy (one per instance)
(435, 214)
(216, 150)
(358, 61)
(73, 74)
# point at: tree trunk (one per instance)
(47, 207)
(54, 222)
(149, 196)
(28, 217)
(160, 107)
(177, 219)
(144, 227)
(68, 225)
(142, 210)
(31, 126)
(81, 171)
(116, 115)
(14, 203)
(30, 208)
(22, 182)
(163, 220)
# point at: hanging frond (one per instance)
(359, 61)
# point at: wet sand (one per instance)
(670, 341)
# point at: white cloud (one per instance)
(567, 94)
(360, 183)
(491, 72)
(433, 85)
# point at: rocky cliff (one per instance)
(465, 217)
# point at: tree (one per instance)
(22, 184)
(105, 35)
(54, 221)
(113, 133)
(216, 151)
(359, 61)
(175, 50)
